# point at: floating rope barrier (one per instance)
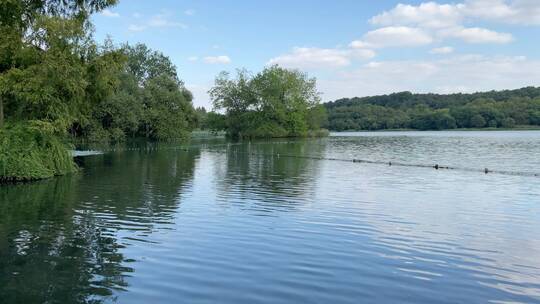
(400, 164)
(312, 157)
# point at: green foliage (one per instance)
(61, 80)
(169, 113)
(436, 112)
(216, 122)
(317, 117)
(31, 150)
(53, 74)
(149, 101)
(144, 64)
(47, 85)
(52, 70)
(434, 120)
(274, 103)
(508, 122)
(266, 130)
(43, 50)
(478, 121)
(201, 117)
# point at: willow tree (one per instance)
(50, 70)
(33, 34)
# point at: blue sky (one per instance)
(354, 48)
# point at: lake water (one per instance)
(220, 222)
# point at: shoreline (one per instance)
(519, 128)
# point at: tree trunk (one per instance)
(1, 113)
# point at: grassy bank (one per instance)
(31, 151)
(207, 134)
(267, 133)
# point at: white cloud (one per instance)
(190, 12)
(358, 44)
(193, 58)
(393, 36)
(362, 54)
(488, 9)
(525, 12)
(442, 50)
(312, 57)
(217, 59)
(430, 15)
(304, 57)
(163, 20)
(136, 28)
(435, 15)
(468, 73)
(157, 21)
(109, 13)
(477, 35)
(443, 21)
(373, 64)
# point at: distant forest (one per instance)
(405, 110)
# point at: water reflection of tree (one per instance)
(59, 238)
(269, 174)
(140, 184)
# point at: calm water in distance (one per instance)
(245, 223)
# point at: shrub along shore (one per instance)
(57, 84)
(31, 151)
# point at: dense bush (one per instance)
(30, 151)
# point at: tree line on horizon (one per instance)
(405, 110)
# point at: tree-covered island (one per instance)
(273, 103)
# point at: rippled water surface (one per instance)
(220, 222)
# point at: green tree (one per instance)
(436, 120)
(492, 123)
(168, 111)
(317, 117)
(50, 73)
(508, 123)
(201, 118)
(276, 102)
(151, 101)
(42, 37)
(216, 122)
(478, 121)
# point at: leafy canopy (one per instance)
(276, 102)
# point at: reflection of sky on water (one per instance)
(483, 224)
(496, 150)
(239, 223)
